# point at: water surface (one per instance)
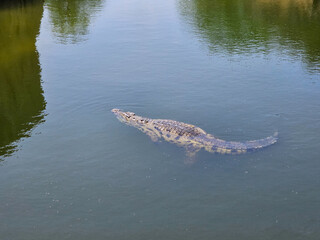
(238, 69)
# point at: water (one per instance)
(238, 69)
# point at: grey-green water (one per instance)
(237, 69)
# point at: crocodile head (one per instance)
(129, 118)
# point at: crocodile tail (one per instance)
(221, 146)
(261, 143)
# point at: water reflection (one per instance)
(70, 19)
(246, 27)
(21, 95)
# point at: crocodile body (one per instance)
(191, 137)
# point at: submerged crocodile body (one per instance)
(190, 137)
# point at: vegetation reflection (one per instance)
(21, 95)
(242, 27)
(70, 19)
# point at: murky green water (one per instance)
(237, 69)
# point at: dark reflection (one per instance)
(21, 96)
(70, 19)
(248, 26)
(16, 3)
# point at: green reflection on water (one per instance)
(21, 95)
(244, 27)
(70, 19)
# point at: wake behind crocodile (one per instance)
(191, 137)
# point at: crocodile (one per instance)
(191, 137)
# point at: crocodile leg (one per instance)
(191, 152)
(154, 137)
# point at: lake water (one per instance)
(240, 70)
